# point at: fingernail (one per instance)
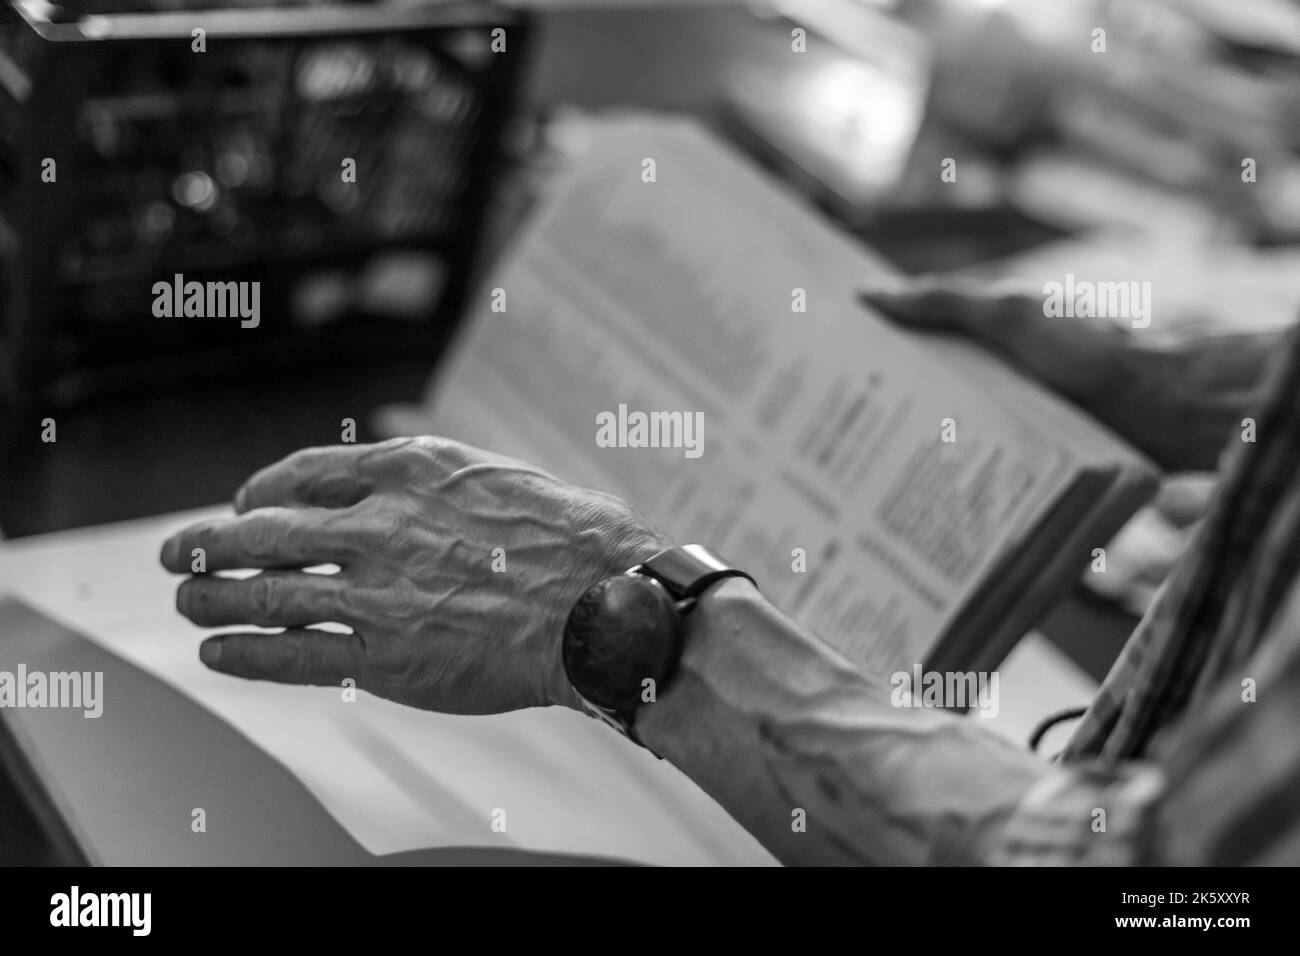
(171, 552)
(210, 652)
(240, 497)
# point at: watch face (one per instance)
(623, 631)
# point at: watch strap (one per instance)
(624, 723)
(688, 571)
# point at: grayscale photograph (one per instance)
(650, 434)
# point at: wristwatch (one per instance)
(623, 639)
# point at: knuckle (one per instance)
(426, 444)
(328, 601)
(264, 596)
(203, 535)
(339, 533)
(390, 531)
(408, 673)
(404, 451)
(194, 599)
(349, 602)
(426, 450)
(304, 466)
(402, 671)
(405, 604)
(255, 537)
(305, 459)
(446, 452)
(398, 458)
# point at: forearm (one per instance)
(770, 721)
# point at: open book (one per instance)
(908, 498)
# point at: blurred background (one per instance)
(1160, 135)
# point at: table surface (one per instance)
(398, 779)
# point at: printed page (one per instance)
(865, 484)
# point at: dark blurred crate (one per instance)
(225, 165)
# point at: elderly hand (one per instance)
(457, 572)
(1179, 403)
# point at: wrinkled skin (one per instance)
(413, 524)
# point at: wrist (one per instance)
(624, 637)
(633, 548)
(729, 600)
(741, 654)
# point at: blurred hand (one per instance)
(1146, 549)
(1175, 403)
(441, 619)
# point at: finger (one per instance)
(330, 477)
(295, 656)
(266, 538)
(342, 475)
(1184, 499)
(1080, 357)
(420, 458)
(269, 599)
(955, 303)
